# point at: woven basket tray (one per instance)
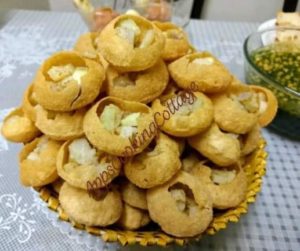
(255, 170)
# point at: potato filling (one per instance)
(125, 80)
(62, 75)
(58, 73)
(203, 61)
(187, 109)
(184, 198)
(247, 101)
(221, 177)
(263, 105)
(131, 32)
(119, 122)
(82, 153)
(35, 154)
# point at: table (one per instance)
(26, 39)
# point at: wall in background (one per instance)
(237, 10)
(26, 4)
(230, 10)
(61, 5)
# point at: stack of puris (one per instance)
(87, 106)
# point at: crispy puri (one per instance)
(125, 123)
(184, 114)
(60, 125)
(133, 195)
(182, 207)
(133, 218)
(67, 81)
(227, 186)
(156, 165)
(142, 86)
(202, 69)
(236, 110)
(83, 209)
(37, 161)
(221, 148)
(131, 43)
(82, 166)
(17, 127)
(177, 44)
(29, 103)
(268, 105)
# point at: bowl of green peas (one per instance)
(275, 64)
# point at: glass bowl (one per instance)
(287, 120)
(98, 13)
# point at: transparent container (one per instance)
(182, 10)
(287, 120)
(97, 13)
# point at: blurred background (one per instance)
(229, 10)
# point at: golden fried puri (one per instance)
(142, 86)
(250, 141)
(131, 43)
(83, 209)
(37, 161)
(17, 127)
(227, 186)
(236, 110)
(29, 103)
(219, 147)
(79, 163)
(133, 195)
(67, 81)
(203, 70)
(86, 46)
(57, 184)
(268, 104)
(184, 114)
(182, 207)
(60, 125)
(154, 166)
(119, 127)
(177, 44)
(133, 218)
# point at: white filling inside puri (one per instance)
(263, 104)
(247, 100)
(66, 73)
(184, 204)
(204, 61)
(41, 146)
(188, 106)
(221, 177)
(131, 32)
(82, 153)
(119, 122)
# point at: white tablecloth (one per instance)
(26, 39)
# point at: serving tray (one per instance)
(255, 167)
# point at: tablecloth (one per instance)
(26, 39)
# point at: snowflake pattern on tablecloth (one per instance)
(13, 42)
(17, 216)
